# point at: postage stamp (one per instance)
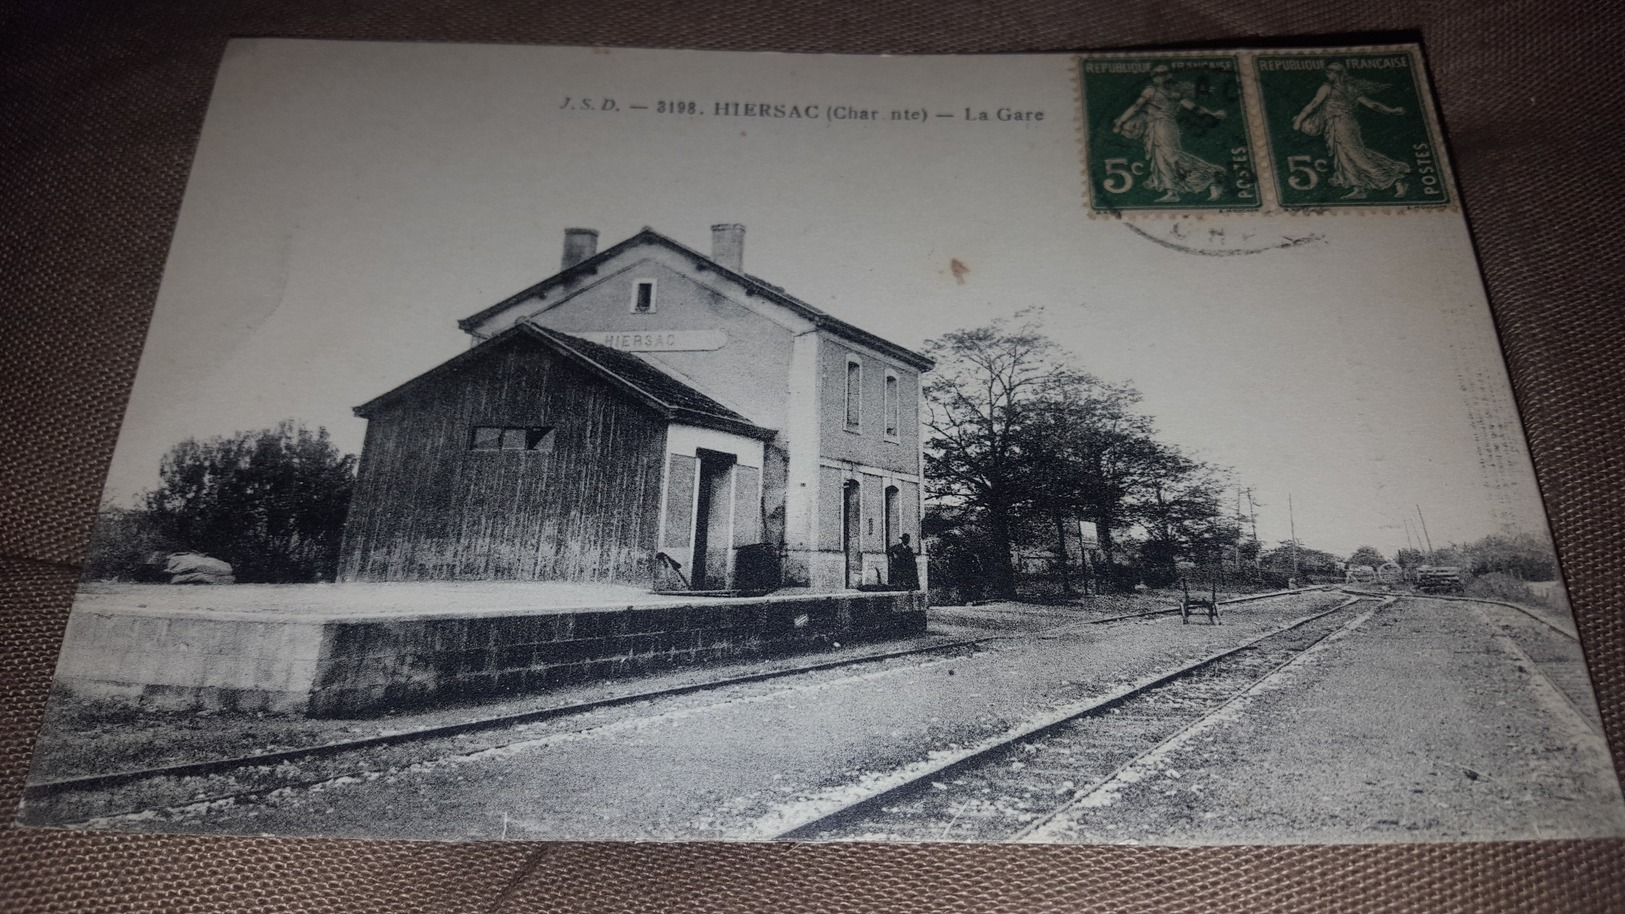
(1166, 133)
(1349, 129)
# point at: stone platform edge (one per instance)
(364, 664)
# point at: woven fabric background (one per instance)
(100, 106)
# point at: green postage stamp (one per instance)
(1349, 129)
(1259, 132)
(1166, 133)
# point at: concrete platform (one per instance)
(360, 649)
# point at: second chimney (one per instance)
(579, 244)
(728, 246)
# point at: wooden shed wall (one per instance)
(427, 507)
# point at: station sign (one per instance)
(659, 340)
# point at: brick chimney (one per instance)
(728, 246)
(579, 244)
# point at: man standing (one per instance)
(902, 571)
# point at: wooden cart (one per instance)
(1190, 605)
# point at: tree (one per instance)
(270, 502)
(987, 400)
(1025, 442)
(1096, 458)
(1410, 558)
(1368, 555)
(959, 550)
(1092, 455)
(1525, 556)
(1295, 559)
(1247, 552)
(1183, 510)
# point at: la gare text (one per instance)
(813, 111)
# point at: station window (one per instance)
(854, 393)
(891, 405)
(643, 297)
(511, 438)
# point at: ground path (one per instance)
(1369, 739)
(1422, 725)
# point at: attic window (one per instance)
(643, 297)
(511, 438)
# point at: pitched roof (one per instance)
(752, 285)
(664, 394)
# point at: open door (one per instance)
(713, 521)
(852, 532)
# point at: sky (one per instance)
(350, 201)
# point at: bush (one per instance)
(1115, 578)
(121, 545)
(1498, 586)
(270, 502)
(959, 572)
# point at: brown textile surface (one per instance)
(100, 105)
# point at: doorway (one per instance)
(852, 532)
(713, 521)
(894, 519)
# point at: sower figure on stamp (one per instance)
(1331, 113)
(1154, 118)
(901, 569)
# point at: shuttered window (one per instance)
(854, 394)
(891, 405)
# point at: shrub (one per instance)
(1498, 586)
(121, 544)
(270, 502)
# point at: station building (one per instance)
(645, 399)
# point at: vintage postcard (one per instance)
(598, 444)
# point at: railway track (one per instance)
(1572, 636)
(248, 777)
(1171, 610)
(1001, 791)
(272, 771)
(1554, 661)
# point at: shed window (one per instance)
(854, 394)
(891, 405)
(486, 438)
(511, 438)
(643, 297)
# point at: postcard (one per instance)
(542, 443)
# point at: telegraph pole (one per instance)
(1292, 525)
(1252, 519)
(1239, 518)
(1425, 531)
